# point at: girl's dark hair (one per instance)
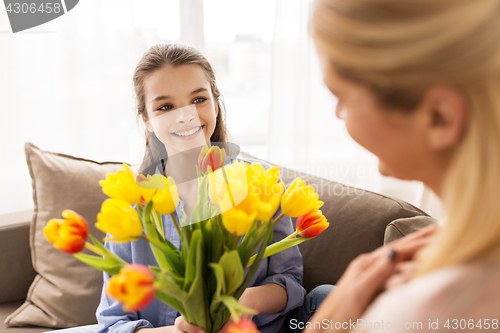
(155, 58)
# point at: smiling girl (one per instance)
(179, 102)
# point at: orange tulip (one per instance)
(212, 158)
(243, 326)
(311, 224)
(68, 235)
(133, 287)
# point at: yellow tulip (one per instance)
(133, 287)
(267, 206)
(122, 185)
(237, 221)
(264, 183)
(120, 220)
(299, 199)
(166, 200)
(229, 182)
(151, 181)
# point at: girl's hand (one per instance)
(365, 278)
(182, 326)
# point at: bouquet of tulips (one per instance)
(230, 229)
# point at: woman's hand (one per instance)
(403, 272)
(182, 326)
(365, 278)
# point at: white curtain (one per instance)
(66, 87)
(304, 133)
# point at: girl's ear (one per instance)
(147, 124)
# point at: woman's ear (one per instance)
(147, 124)
(446, 113)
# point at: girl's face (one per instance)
(180, 107)
(394, 136)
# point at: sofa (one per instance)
(360, 221)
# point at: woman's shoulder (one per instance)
(466, 291)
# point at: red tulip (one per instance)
(243, 326)
(212, 157)
(133, 287)
(311, 224)
(68, 235)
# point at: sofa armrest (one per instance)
(403, 227)
(17, 272)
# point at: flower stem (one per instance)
(279, 216)
(94, 249)
(235, 241)
(292, 235)
(176, 223)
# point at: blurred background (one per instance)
(66, 86)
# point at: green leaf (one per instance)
(220, 286)
(173, 257)
(107, 253)
(170, 301)
(155, 269)
(217, 241)
(105, 265)
(195, 303)
(191, 260)
(169, 286)
(279, 246)
(158, 220)
(233, 271)
(253, 268)
(152, 233)
(234, 307)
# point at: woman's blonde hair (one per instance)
(400, 49)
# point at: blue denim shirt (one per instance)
(284, 269)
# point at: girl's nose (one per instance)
(187, 114)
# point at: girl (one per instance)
(180, 104)
(418, 83)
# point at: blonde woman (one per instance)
(418, 84)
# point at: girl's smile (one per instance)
(188, 133)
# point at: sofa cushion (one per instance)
(65, 293)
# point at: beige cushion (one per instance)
(65, 292)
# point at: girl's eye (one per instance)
(166, 107)
(199, 100)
